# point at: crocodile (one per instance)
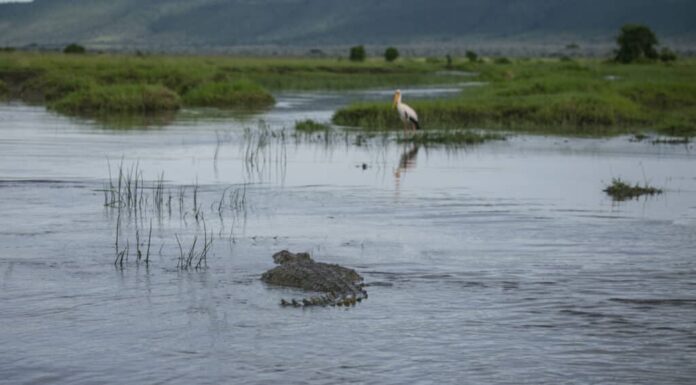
(342, 286)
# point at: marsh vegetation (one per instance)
(620, 190)
(578, 98)
(107, 84)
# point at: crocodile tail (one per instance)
(326, 300)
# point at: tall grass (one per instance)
(228, 94)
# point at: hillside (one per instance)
(179, 24)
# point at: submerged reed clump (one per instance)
(310, 126)
(449, 137)
(621, 191)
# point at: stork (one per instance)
(406, 113)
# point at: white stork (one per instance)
(406, 113)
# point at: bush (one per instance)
(667, 55)
(391, 54)
(357, 53)
(74, 49)
(472, 56)
(636, 42)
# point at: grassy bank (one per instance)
(77, 83)
(586, 98)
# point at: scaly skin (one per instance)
(343, 286)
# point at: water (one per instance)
(503, 263)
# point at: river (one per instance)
(502, 263)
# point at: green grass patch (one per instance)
(128, 98)
(228, 95)
(309, 126)
(585, 98)
(621, 191)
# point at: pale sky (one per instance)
(16, 1)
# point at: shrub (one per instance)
(357, 53)
(391, 54)
(472, 56)
(636, 42)
(74, 49)
(667, 55)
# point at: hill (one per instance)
(218, 24)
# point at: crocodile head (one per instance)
(284, 257)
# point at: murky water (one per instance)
(503, 263)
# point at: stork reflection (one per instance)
(407, 161)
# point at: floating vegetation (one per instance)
(449, 137)
(621, 191)
(309, 126)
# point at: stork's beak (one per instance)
(396, 100)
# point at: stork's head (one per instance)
(397, 98)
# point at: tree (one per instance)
(391, 54)
(357, 53)
(74, 48)
(636, 42)
(472, 56)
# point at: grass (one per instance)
(77, 83)
(449, 137)
(309, 126)
(621, 191)
(121, 98)
(228, 94)
(586, 98)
